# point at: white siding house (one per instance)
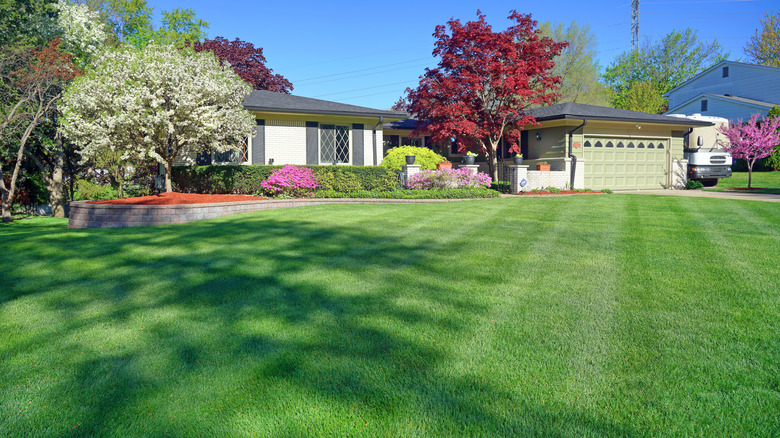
(301, 130)
(729, 89)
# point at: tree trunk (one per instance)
(168, 184)
(55, 185)
(5, 198)
(750, 171)
(492, 159)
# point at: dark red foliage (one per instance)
(484, 82)
(247, 61)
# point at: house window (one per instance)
(704, 105)
(587, 144)
(725, 72)
(334, 144)
(224, 157)
(391, 141)
(203, 159)
(620, 144)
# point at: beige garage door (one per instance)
(625, 163)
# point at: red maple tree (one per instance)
(483, 84)
(247, 61)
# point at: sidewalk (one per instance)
(705, 194)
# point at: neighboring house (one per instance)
(300, 130)
(615, 149)
(729, 89)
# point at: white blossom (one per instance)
(83, 32)
(157, 102)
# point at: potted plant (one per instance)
(444, 165)
(518, 159)
(469, 158)
(410, 159)
(543, 165)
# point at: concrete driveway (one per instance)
(705, 194)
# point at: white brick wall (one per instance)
(285, 141)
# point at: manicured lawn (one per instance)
(768, 182)
(565, 317)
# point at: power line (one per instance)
(363, 69)
(367, 74)
(366, 88)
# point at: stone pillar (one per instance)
(679, 174)
(409, 170)
(579, 172)
(474, 167)
(517, 174)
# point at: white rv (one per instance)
(707, 161)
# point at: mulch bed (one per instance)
(175, 198)
(563, 192)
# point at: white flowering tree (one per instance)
(83, 33)
(158, 102)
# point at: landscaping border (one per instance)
(86, 215)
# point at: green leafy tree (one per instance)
(30, 22)
(577, 65)
(773, 161)
(131, 22)
(764, 45)
(664, 64)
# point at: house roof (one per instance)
(579, 111)
(262, 100)
(736, 99)
(401, 124)
(716, 66)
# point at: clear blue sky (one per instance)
(364, 54)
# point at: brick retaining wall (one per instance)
(85, 215)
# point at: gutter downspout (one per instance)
(373, 150)
(571, 152)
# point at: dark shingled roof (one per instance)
(261, 100)
(579, 111)
(401, 124)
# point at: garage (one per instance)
(622, 163)
(609, 148)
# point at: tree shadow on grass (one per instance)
(257, 326)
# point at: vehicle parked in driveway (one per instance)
(707, 161)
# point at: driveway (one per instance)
(705, 194)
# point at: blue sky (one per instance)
(366, 54)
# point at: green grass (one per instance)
(768, 182)
(563, 317)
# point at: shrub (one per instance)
(411, 194)
(500, 186)
(247, 180)
(693, 185)
(607, 191)
(426, 158)
(449, 179)
(89, 191)
(290, 181)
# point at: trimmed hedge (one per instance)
(246, 180)
(411, 194)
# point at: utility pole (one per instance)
(634, 23)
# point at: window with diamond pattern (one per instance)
(334, 144)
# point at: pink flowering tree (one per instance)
(290, 181)
(752, 140)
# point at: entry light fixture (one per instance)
(538, 136)
(638, 126)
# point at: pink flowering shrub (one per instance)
(290, 181)
(462, 178)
